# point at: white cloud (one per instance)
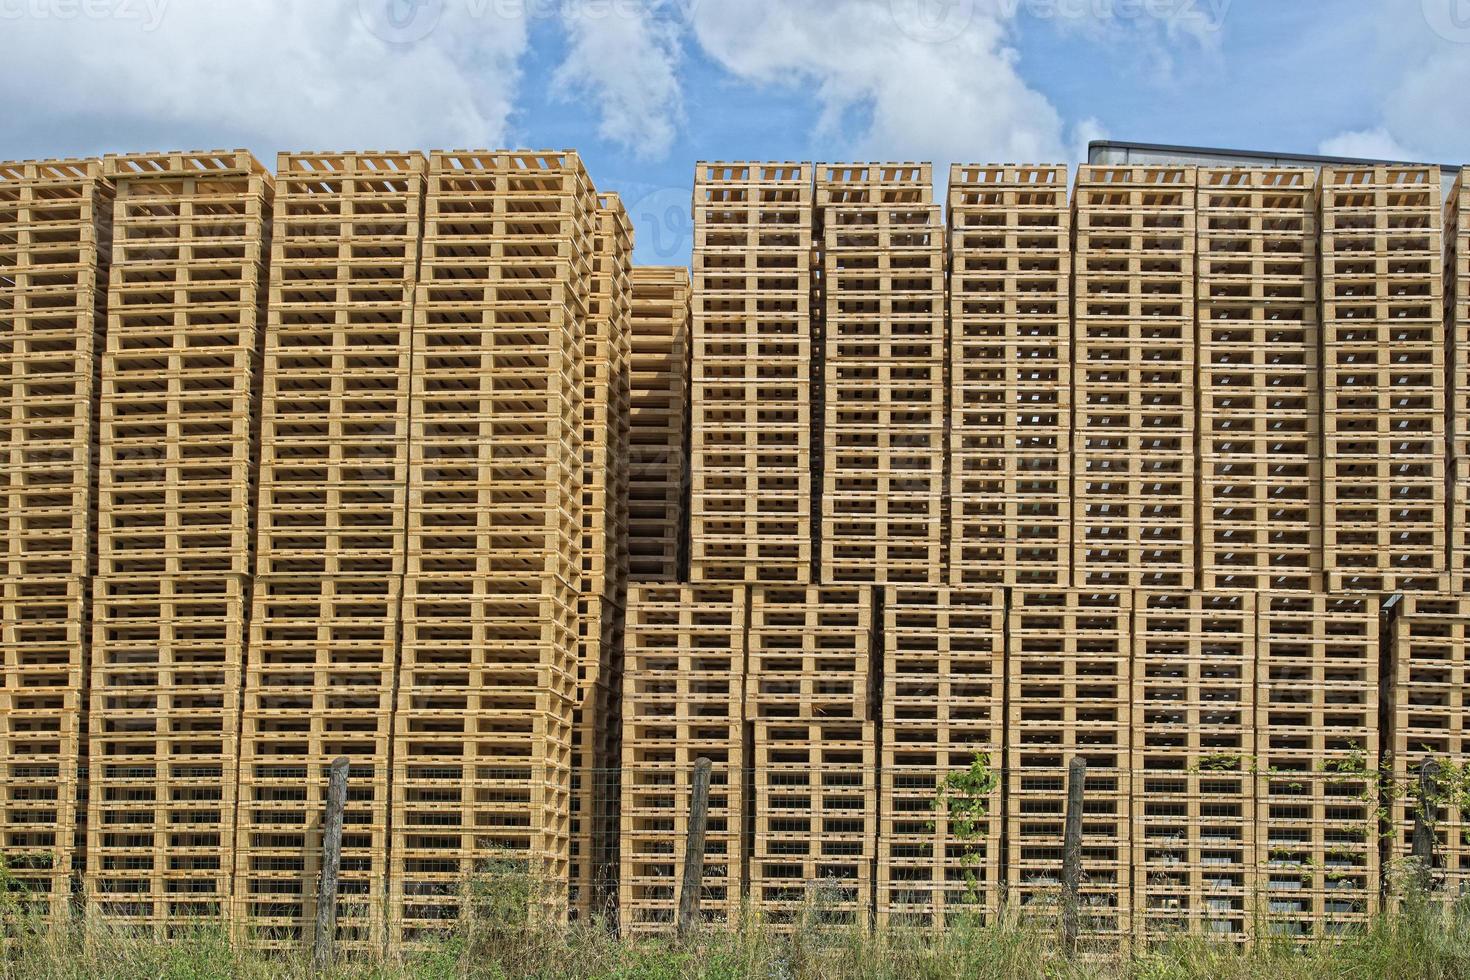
(1083, 133)
(268, 74)
(626, 58)
(889, 82)
(1373, 144)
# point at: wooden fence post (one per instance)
(326, 903)
(1072, 855)
(1423, 844)
(694, 847)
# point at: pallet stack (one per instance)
(1431, 720)
(603, 585)
(883, 361)
(1069, 695)
(55, 241)
(658, 437)
(810, 705)
(1134, 377)
(178, 423)
(1457, 334)
(750, 454)
(488, 663)
(329, 553)
(1194, 656)
(1259, 377)
(683, 698)
(943, 707)
(1384, 376)
(1010, 376)
(1316, 756)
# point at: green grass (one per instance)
(1423, 943)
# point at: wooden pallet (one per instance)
(751, 388)
(814, 835)
(943, 711)
(1384, 374)
(1009, 375)
(1457, 311)
(1133, 383)
(335, 405)
(809, 653)
(1193, 804)
(482, 744)
(683, 697)
(658, 448)
(163, 729)
(1317, 753)
(883, 357)
(605, 415)
(1260, 423)
(43, 654)
(1430, 719)
(1068, 691)
(57, 215)
(318, 685)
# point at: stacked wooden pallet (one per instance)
(939, 811)
(1430, 690)
(1457, 334)
(330, 547)
(1260, 423)
(55, 220)
(178, 427)
(1134, 356)
(1194, 817)
(658, 444)
(488, 663)
(1384, 374)
(751, 466)
(683, 698)
(603, 585)
(883, 355)
(1316, 756)
(1069, 695)
(1010, 376)
(811, 709)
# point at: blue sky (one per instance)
(644, 88)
